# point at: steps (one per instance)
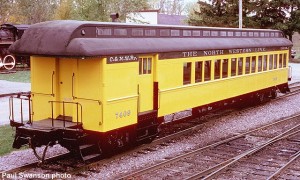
(89, 151)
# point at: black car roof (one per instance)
(87, 39)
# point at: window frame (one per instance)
(253, 64)
(233, 70)
(280, 63)
(225, 68)
(265, 62)
(240, 68)
(207, 78)
(285, 60)
(275, 58)
(187, 70)
(260, 63)
(248, 65)
(145, 62)
(271, 62)
(199, 73)
(218, 72)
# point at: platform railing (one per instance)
(78, 115)
(22, 99)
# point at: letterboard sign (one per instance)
(121, 59)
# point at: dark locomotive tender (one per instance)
(102, 86)
(10, 33)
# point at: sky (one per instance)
(189, 1)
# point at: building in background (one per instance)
(155, 17)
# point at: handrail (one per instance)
(290, 75)
(52, 87)
(65, 102)
(11, 108)
(138, 100)
(74, 97)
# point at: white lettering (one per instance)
(23, 175)
(61, 176)
(116, 59)
(238, 51)
(9, 176)
(213, 52)
(260, 49)
(190, 54)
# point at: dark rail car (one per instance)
(8, 35)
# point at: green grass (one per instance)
(6, 139)
(19, 76)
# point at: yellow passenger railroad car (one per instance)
(102, 86)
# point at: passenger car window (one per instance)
(271, 62)
(187, 67)
(259, 64)
(284, 59)
(240, 66)
(253, 64)
(265, 62)
(275, 61)
(207, 70)
(225, 68)
(280, 60)
(145, 66)
(217, 69)
(233, 66)
(247, 65)
(198, 71)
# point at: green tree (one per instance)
(266, 14)
(64, 10)
(279, 14)
(221, 13)
(6, 10)
(34, 11)
(214, 13)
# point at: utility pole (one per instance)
(240, 14)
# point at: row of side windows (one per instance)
(224, 68)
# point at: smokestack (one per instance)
(114, 17)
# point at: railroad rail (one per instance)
(218, 164)
(35, 164)
(295, 88)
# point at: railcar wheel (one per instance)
(261, 98)
(273, 94)
(9, 62)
